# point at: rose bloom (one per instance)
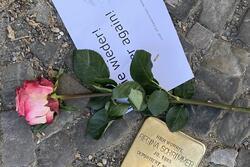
(34, 103)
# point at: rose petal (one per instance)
(37, 120)
(45, 82)
(35, 109)
(21, 97)
(17, 100)
(50, 116)
(38, 116)
(35, 88)
(53, 105)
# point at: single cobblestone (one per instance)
(202, 120)
(56, 151)
(42, 11)
(243, 159)
(44, 52)
(244, 34)
(215, 14)
(18, 147)
(180, 8)
(233, 128)
(224, 157)
(200, 37)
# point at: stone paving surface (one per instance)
(33, 41)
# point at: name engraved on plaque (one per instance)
(156, 146)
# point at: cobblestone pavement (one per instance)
(33, 41)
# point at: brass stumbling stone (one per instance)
(156, 146)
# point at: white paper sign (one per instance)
(116, 28)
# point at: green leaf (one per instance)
(123, 90)
(140, 71)
(105, 82)
(185, 90)
(117, 110)
(104, 85)
(98, 103)
(107, 105)
(98, 124)
(89, 66)
(68, 108)
(176, 118)
(38, 128)
(158, 102)
(146, 112)
(136, 98)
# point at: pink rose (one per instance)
(34, 103)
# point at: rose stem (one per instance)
(77, 96)
(175, 99)
(178, 100)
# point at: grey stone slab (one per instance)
(56, 151)
(225, 59)
(68, 56)
(222, 69)
(60, 121)
(246, 78)
(3, 4)
(18, 148)
(216, 13)
(18, 72)
(13, 76)
(243, 158)
(3, 36)
(42, 11)
(225, 157)
(4, 19)
(21, 28)
(224, 85)
(188, 48)
(202, 91)
(244, 34)
(9, 50)
(45, 53)
(180, 8)
(200, 37)
(201, 120)
(233, 128)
